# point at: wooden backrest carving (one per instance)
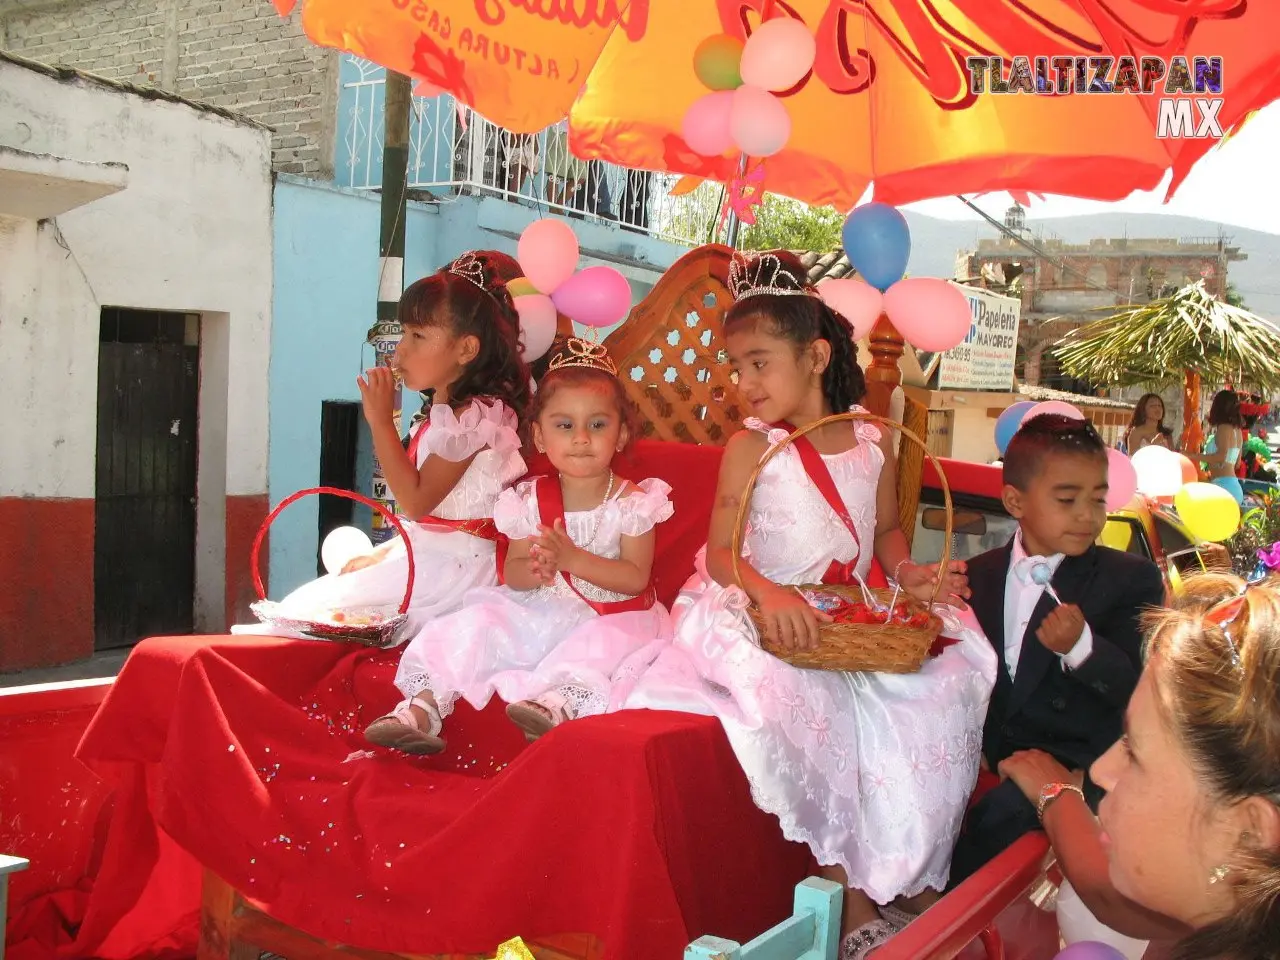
(670, 357)
(670, 353)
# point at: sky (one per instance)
(1234, 183)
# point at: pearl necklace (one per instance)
(600, 516)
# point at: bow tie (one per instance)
(1037, 571)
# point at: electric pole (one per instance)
(385, 333)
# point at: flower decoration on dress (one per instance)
(469, 267)
(762, 274)
(583, 353)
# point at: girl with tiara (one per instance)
(460, 348)
(872, 771)
(578, 597)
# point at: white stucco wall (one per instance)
(190, 232)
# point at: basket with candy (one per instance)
(876, 629)
(371, 626)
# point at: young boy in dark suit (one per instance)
(1062, 614)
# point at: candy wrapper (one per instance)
(367, 625)
(820, 600)
(513, 950)
(843, 610)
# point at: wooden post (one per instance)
(883, 375)
(1192, 437)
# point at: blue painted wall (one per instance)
(326, 272)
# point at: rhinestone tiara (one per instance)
(762, 274)
(583, 353)
(469, 267)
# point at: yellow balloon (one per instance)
(1209, 511)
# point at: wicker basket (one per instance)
(380, 632)
(881, 648)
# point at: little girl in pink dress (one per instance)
(578, 598)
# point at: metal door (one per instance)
(145, 516)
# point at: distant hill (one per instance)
(935, 243)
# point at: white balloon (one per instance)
(1159, 471)
(778, 54)
(758, 121)
(341, 546)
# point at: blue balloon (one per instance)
(1090, 950)
(877, 242)
(1008, 422)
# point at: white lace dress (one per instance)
(523, 643)
(448, 562)
(872, 771)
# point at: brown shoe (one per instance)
(538, 716)
(399, 730)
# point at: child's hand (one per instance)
(359, 563)
(1061, 629)
(378, 394)
(555, 548)
(540, 567)
(918, 580)
(789, 620)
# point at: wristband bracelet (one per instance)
(895, 578)
(1051, 792)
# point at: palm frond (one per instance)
(1156, 343)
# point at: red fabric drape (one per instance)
(245, 755)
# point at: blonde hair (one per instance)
(1219, 677)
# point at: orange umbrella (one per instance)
(888, 99)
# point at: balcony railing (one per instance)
(455, 152)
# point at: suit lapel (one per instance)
(1035, 660)
(988, 602)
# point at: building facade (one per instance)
(135, 325)
(1066, 285)
(472, 186)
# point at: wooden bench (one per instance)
(812, 932)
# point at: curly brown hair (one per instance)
(485, 312)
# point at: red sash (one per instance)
(838, 574)
(551, 509)
(416, 441)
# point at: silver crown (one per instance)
(583, 353)
(469, 267)
(762, 274)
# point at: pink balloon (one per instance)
(859, 303)
(930, 314)
(425, 88)
(758, 121)
(1122, 479)
(705, 126)
(537, 324)
(594, 297)
(548, 253)
(1053, 406)
(778, 54)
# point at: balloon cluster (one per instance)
(1209, 512)
(1122, 479)
(930, 314)
(741, 111)
(552, 283)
